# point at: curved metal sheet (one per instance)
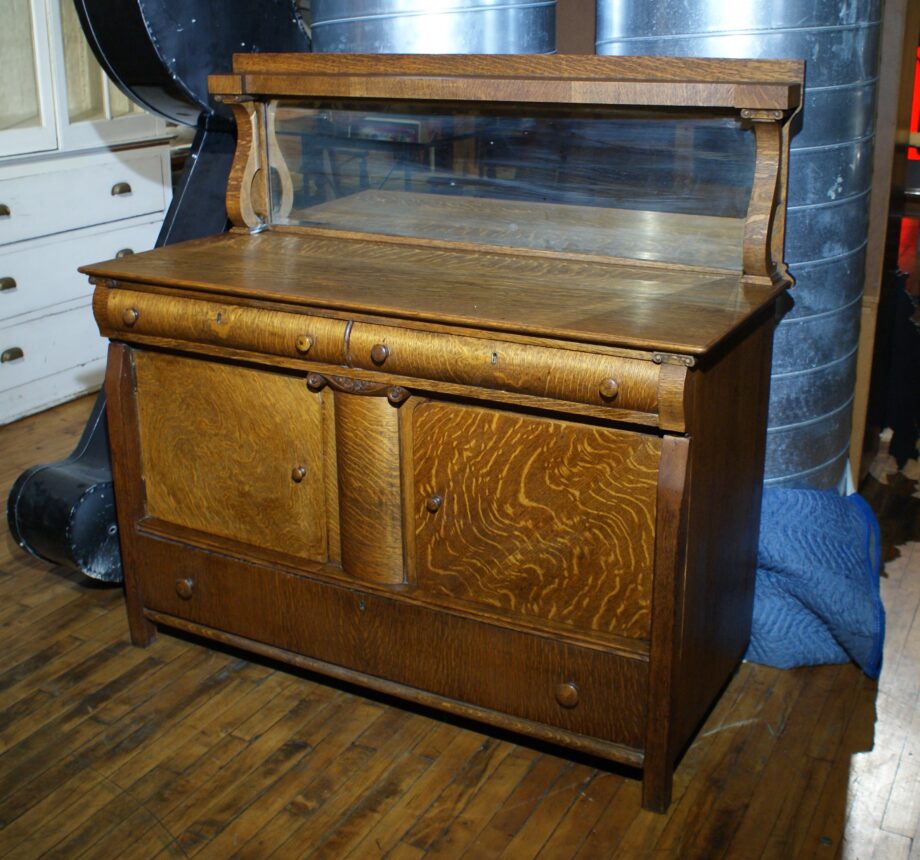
(829, 179)
(435, 26)
(160, 52)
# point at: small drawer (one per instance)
(79, 192)
(52, 343)
(561, 374)
(43, 272)
(122, 313)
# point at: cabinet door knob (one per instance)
(120, 189)
(185, 588)
(609, 389)
(298, 473)
(433, 503)
(7, 284)
(124, 252)
(304, 343)
(4, 211)
(130, 315)
(567, 694)
(11, 354)
(379, 353)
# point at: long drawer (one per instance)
(557, 372)
(47, 345)
(54, 196)
(43, 272)
(283, 333)
(544, 680)
(580, 377)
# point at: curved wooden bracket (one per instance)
(764, 228)
(245, 199)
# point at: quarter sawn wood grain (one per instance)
(539, 518)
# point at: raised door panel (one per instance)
(534, 517)
(26, 93)
(233, 452)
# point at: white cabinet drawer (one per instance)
(43, 272)
(48, 344)
(65, 194)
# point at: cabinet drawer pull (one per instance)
(304, 343)
(4, 211)
(185, 588)
(130, 315)
(609, 389)
(7, 284)
(120, 189)
(567, 694)
(379, 353)
(124, 252)
(298, 473)
(11, 354)
(433, 504)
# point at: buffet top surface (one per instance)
(612, 303)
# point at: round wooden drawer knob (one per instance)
(298, 473)
(185, 588)
(130, 315)
(304, 343)
(567, 694)
(433, 503)
(609, 389)
(379, 353)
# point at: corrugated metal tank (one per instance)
(434, 26)
(814, 361)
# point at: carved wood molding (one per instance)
(395, 394)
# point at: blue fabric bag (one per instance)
(816, 597)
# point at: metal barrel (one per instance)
(434, 26)
(830, 171)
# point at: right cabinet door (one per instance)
(534, 517)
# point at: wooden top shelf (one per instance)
(605, 303)
(558, 79)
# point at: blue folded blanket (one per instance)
(816, 598)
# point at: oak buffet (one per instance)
(469, 405)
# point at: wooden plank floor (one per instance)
(181, 750)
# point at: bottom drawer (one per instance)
(48, 344)
(540, 679)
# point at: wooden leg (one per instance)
(124, 450)
(656, 785)
(142, 631)
(669, 561)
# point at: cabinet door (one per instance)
(533, 517)
(91, 110)
(233, 452)
(26, 97)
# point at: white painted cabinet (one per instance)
(84, 175)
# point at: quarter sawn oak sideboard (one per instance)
(469, 405)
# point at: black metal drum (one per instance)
(159, 53)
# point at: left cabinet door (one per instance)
(233, 453)
(27, 122)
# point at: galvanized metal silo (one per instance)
(814, 363)
(434, 26)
